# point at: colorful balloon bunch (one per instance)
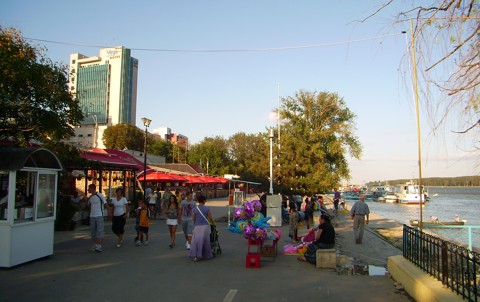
(249, 221)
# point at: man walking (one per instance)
(359, 213)
(98, 205)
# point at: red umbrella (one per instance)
(194, 179)
(158, 176)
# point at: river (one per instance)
(445, 203)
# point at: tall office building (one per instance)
(106, 87)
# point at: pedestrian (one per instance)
(152, 202)
(98, 205)
(120, 213)
(186, 219)
(158, 203)
(293, 223)
(144, 224)
(309, 212)
(202, 218)
(137, 220)
(165, 199)
(336, 200)
(173, 213)
(324, 239)
(360, 214)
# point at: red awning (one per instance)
(205, 179)
(162, 177)
(108, 159)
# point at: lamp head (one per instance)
(146, 121)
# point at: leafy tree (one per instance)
(215, 151)
(34, 99)
(250, 156)
(446, 37)
(162, 148)
(123, 136)
(317, 134)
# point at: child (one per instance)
(137, 221)
(294, 219)
(143, 224)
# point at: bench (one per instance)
(326, 258)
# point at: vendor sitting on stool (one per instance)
(324, 239)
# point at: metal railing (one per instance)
(456, 267)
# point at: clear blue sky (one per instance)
(222, 93)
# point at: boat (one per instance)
(390, 197)
(414, 222)
(409, 193)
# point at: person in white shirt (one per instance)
(120, 213)
(98, 205)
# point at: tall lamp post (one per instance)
(146, 123)
(271, 160)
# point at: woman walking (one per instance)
(202, 217)
(120, 211)
(173, 213)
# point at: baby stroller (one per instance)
(216, 249)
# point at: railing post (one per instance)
(444, 259)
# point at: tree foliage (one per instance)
(446, 36)
(162, 148)
(213, 150)
(317, 135)
(34, 99)
(122, 136)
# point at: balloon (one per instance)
(249, 231)
(242, 224)
(260, 233)
(256, 216)
(240, 214)
(257, 205)
(248, 208)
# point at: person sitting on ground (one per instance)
(324, 239)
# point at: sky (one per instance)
(294, 45)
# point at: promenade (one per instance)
(158, 273)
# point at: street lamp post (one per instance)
(271, 160)
(146, 123)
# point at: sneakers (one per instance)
(138, 243)
(146, 242)
(98, 249)
(92, 249)
(187, 245)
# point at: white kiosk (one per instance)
(28, 201)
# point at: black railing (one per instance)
(455, 266)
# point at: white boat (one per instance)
(409, 193)
(390, 197)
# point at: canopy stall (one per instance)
(28, 202)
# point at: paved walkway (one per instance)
(156, 272)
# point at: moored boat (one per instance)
(410, 194)
(414, 222)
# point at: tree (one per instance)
(213, 150)
(446, 36)
(34, 99)
(250, 156)
(123, 136)
(317, 135)
(162, 148)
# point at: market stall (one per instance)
(28, 201)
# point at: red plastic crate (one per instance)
(252, 260)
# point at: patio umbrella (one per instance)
(158, 176)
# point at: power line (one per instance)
(224, 50)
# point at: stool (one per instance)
(326, 258)
(252, 260)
